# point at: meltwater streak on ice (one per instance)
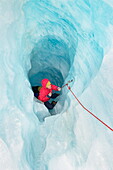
(72, 140)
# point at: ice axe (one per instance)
(67, 83)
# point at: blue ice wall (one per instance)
(66, 34)
(59, 40)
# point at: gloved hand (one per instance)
(50, 94)
(59, 89)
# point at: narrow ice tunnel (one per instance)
(51, 58)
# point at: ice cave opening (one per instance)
(51, 58)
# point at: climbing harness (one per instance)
(85, 107)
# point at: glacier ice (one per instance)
(60, 40)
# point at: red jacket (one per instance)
(45, 91)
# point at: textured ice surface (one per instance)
(59, 40)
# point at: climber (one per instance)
(44, 93)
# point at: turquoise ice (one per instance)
(60, 40)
